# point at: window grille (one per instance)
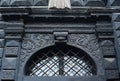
(60, 61)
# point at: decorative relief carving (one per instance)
(8, 74)
(11, 51)
(33, 42)
(88, 43)
(107, 47)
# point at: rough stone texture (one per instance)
(26, 26)
(110, 74)
(110, 63)
(108, 47)
(1, 52)
(9, 63)
(8, 75)
(116, 21)
(11, 51)
(33, 42)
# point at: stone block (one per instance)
(116, 25)
(2, 33)
(118, 33)
(1, 42)
(77, 2)
(41, 2)
(8, 75)
(114, 2)
(108, 50)
(116, 17)
(20, 3)
(11, 51)
(2, 24)
(1, 52)
(95, 3)
(110, 63)
(9, 63)
(112, 74)
(11, 43)
(5, 3)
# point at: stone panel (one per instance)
(1, 42)
(95, 3)
(118, 34)
(8, 75)
(14, 43)
(1, 52)
(108, 50)
(9, 63)
(77, 2)
(116, 25)
(41, 2)
(114, 2)
(2, 24)
(11, 51)
(107, 47)
(116, 17)
(20, 3)
(110, 63)
(5, 2)
(2, 34)
(112, 74)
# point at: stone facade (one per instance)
(27, 26)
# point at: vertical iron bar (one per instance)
(61, 65)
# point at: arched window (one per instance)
(60, 61)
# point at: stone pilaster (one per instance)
(116, 27)
(2, 24)
(13, 35)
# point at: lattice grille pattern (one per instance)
(61, 62)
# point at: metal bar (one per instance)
(61, 65)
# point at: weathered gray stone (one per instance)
(11, 51)
(9, 63)
(8, 75)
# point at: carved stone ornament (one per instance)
(88, 43)
(34, 42)
(8, 74)
(59, 4)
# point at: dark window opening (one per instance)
(60, 61)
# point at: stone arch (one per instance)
(65, 49)
(35, 42)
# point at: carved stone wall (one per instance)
(34, 42)
(86, 42)
(27, 26)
